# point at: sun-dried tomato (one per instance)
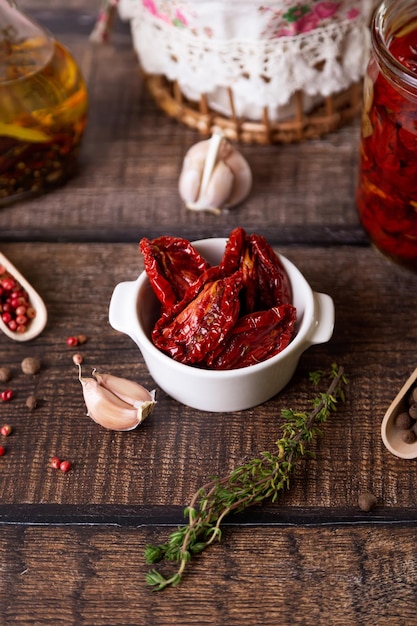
(254, 338)
(225, 316)
(172, 265)
(195, 327)
(265, 280)
(273, 286)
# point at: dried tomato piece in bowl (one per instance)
(172, 265)
(254, 338)
(225, 316)
(197, 325)
(265, 280)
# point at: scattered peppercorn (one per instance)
(65, 466)
(55, 462)
(81, 339)
(77, 359)
(30, 365)
(367, 501)
(72, 341)
(6, 430)
(5, 374)
(2, 450)
(32, 402)
(6, 395)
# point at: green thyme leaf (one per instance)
(253, 482)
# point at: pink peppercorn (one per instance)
(6, 395)
(65, 466)
(55, 462)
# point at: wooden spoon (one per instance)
(391, 435)
(37, 324)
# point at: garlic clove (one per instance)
(127, 390)
(242, 178)
(106, 409)
(214, 175)
(130, 392)
(189, 183)
(116, 403)
(219, 187)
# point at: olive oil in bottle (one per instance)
(43, 108)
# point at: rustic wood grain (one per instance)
(310, 576)
(168, 457)
(71, 545)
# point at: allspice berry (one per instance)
(409, 436)
(413, 396)
(413, 411)
(403, 420)
(32, 402)
(30, 365)
(367, 501)
(5, 374)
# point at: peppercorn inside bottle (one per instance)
(43, 108)
(387, 183)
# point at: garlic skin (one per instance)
(214, 175)
(116, 403)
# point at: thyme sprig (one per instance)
(248, 484)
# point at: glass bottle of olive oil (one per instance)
(43, 108)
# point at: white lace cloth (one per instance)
(264, 52)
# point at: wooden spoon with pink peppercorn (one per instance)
(391, 434)
(32, 314)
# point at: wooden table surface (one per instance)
(71, 545)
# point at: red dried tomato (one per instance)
(226, 316)
(254, 338)
(265, 280)
(195, 327)
(172, 265)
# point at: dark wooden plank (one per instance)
(168, 457)
(256, 575)
(269, 514)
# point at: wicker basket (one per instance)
(333, 112)
(275, 72)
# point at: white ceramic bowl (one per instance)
(134, 310)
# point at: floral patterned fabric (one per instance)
(269, 20)
(264, 52)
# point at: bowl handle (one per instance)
(120, 307)
(322, 327)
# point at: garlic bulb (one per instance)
(214, 175)
(116, 403)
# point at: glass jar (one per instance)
(387, 183)
(43, 108)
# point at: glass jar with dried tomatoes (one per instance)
(387, 184)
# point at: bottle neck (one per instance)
(25, 47)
